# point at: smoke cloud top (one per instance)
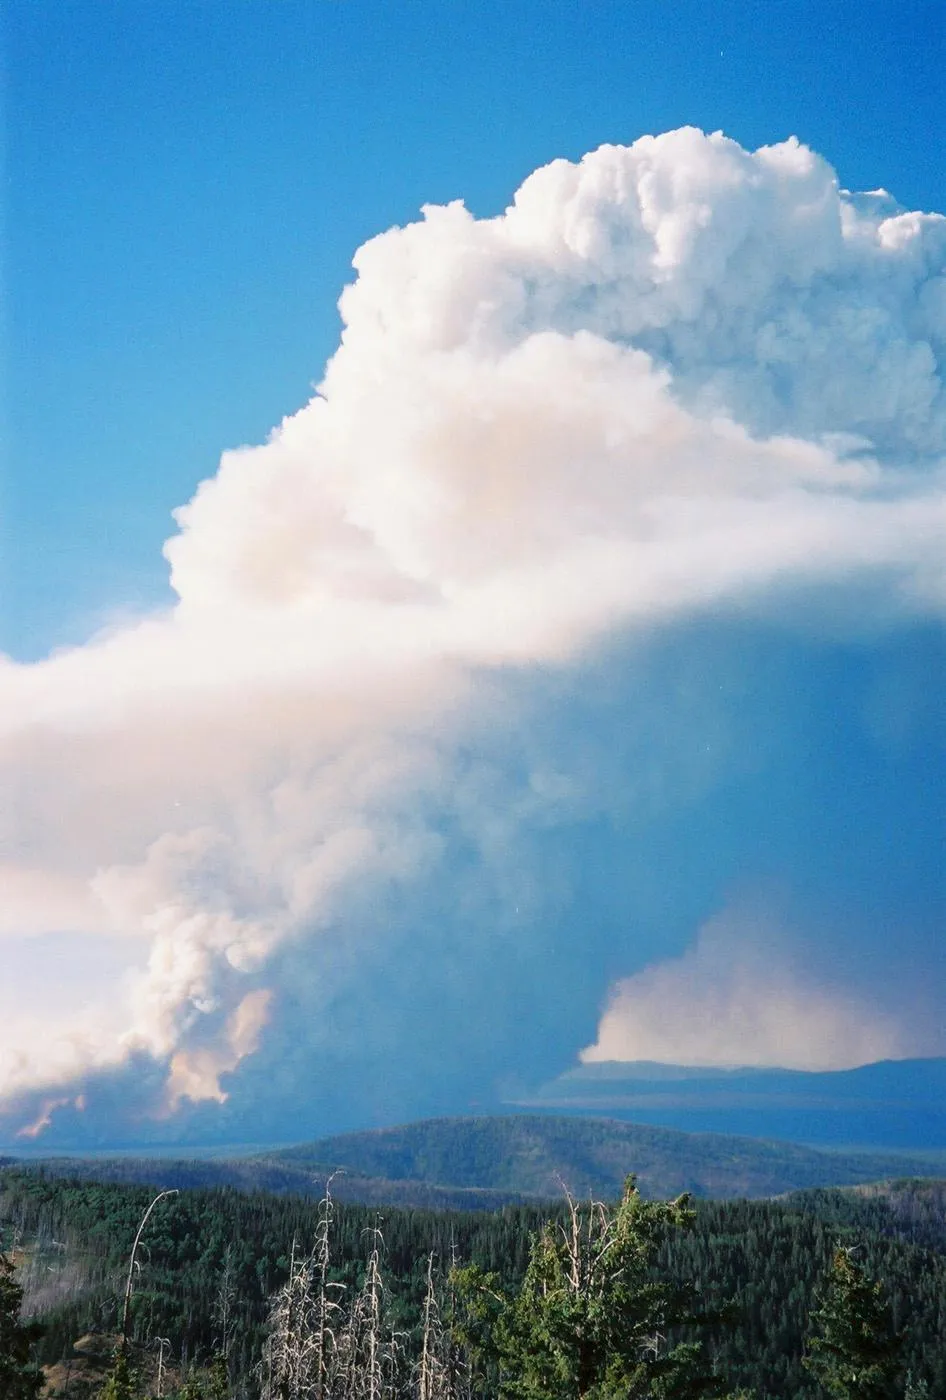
(612, 536)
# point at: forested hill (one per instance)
(483, 1163)
(537, 1155)
(766, 1257)
(274, 1176)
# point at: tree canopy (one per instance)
(854, 1352)
(19, 1378)
(591, 1320)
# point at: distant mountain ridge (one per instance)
(486, 1162)
(888, 1104)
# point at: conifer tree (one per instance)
(193, 1389)
(19, 1378)
(591, 1320)
(853, 1350)
(218, 1379)
(119, 1383)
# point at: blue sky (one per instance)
(186, 184)
(566, 678)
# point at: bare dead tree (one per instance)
(320, 1347)
(442, 1371)
(426, 1382)
(374, 1355)
(345, 1359)
(435, 1371)
(328, 1308)
(223, 1302)
(131, 1265)
(161, 1343)
(589, 1236)
(308, 1354)
(283, 1371)
(373, 1296)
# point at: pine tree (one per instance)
(218, 1379)
(591, 1320)
(19, 1378)
(853, 1350)
(120, 1383)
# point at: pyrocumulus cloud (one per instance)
(673, 380)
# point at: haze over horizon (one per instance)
(562, 683)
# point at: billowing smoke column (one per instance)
(599, 585)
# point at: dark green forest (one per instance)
(212, 1261)
(491, 1161)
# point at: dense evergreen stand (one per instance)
(213, 1261)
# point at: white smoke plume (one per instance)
(675, 379)
(743, 995)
